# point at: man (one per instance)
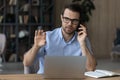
(64, 41)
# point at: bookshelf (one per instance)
(20, 18)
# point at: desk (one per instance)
(40, 77)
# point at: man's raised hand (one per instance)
(40, 38)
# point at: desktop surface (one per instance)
(40, 77)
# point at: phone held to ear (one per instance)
(80, 23)
(78, 27)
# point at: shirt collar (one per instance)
(61, 36)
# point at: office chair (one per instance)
(2, 46)
(115, 53)
(32, 69)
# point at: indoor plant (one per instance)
(87, 7)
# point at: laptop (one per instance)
(64, 66)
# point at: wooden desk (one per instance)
(40, 77)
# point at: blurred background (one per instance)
(20, 18)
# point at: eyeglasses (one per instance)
(74, 21)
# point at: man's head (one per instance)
(70, 18)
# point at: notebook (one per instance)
(64, 66)
(99, 73)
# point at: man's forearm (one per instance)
(91, 62)
(29, 56)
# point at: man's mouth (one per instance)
(69, 30)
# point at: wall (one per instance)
(59, 4)
(102, 24)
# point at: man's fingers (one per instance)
(82, 32)
(44, 35)
(82, 28)
(39, 32)
(36, 32)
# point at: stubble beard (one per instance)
(68, 31)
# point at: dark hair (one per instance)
(73, 6)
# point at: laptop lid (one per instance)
(64, 66)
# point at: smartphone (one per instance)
(79, 25)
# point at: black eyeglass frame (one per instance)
(73, 21)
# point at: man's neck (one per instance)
(67, 37)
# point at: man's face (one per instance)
(70, 21)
